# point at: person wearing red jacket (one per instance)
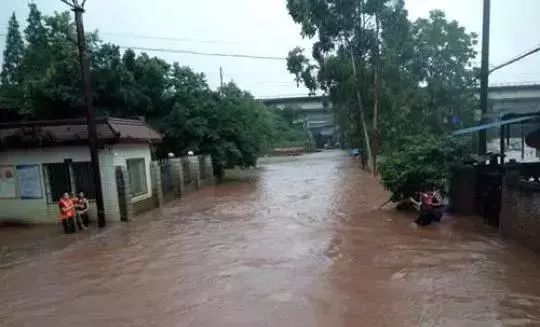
(67, 213)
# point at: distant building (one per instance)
(315, 111)
(41, 160)
(513, 99)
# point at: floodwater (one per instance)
(302, 244)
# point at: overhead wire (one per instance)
(515, 59)
(198, 53)
(168, 38)
(201, 53)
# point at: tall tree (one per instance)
(416, 76)
(346, 53)
(13, 54)
(36, 53)
(11, 75)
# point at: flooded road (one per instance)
(301, 245)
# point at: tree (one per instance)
(416, 76)
(11, 74)
(13, 54)
(228, 123)
(347, 48)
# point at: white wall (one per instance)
(123, 152)
(39, 211)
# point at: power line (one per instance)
(167, 38)
(513, 60)
(199, 53)
(163, 38)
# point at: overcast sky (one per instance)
(264, 28)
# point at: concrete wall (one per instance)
(39, 211)
(113, 163)
(520, 213)
(122, 152)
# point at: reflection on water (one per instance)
(301, 245)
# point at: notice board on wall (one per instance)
(29, 180)
(8, 185)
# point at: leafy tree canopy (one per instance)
(392, 81)
(420, 163)
(425, 78)
(228, 123)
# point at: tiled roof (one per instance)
(70, 131)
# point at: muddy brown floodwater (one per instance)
(301, 245)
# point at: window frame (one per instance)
(90, 195)
(48, 185)
(144, 181)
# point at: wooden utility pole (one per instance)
(484, 75)
(221, 77)
(78, 9)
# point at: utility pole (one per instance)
(78, 9)
(221, 77)
(484, 75)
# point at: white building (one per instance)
(41, 160)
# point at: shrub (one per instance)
(418, 163)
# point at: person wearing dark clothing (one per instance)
(81, 206)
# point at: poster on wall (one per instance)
(7, 182)
(29, 181)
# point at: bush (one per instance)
(418, 163)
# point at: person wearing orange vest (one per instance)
(67, 213)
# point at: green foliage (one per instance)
(11, 74)
(421, 162)
(13, 54)
(425, 77)
(229, 123)
(290, 129)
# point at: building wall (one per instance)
(39, 211)
(520, 212)
(123, 152)
(513, 151)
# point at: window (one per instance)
(83, 176)
(137, 176)
(57, 181)
(68, 176)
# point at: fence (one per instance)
(170, 178)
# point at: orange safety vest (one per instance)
(66, 208)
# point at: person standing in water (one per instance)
(67, 213)
(81, 206)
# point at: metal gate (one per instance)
(488, 193)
